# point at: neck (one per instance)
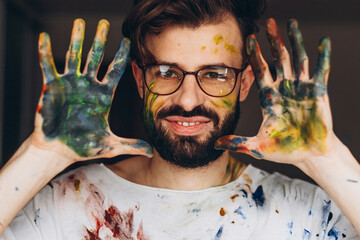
(162, 174)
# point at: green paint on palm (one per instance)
(77, 114)
(299, 130)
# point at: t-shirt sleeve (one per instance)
(37, 220)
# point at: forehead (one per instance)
(209, 44)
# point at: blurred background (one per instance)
(21, 21)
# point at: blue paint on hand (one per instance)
(257, 154)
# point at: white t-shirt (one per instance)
(92, 202)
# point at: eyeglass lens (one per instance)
(165, 79)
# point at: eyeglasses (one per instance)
(215, 81)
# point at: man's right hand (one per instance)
(72, 116)
(71, 122)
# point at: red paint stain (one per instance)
(119, 223)
(269, 96)
(91, 236)
(38, 109)
(106, 221)
(140, 234)
(242, 149)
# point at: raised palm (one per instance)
(296, 114)
(74, 107)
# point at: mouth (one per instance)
(188, 126)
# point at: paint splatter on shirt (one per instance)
(94, 203)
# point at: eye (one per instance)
(214, 75)
(168, 74)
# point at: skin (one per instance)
(295, 107)
(43, 155)
(188, 53)
(71, 122)
(74, 106)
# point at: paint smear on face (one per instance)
(214, 51)
(231, 48)
(203, 48)
(218, 38)
(227, 102)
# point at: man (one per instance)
(191, 69)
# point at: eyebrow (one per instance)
(220, 64)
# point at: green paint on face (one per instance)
(147, 110)
(218, 38)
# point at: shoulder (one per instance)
(277, 184)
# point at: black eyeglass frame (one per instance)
(237, 72)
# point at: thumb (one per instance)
(247, 145)
(125, 146)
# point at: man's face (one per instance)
(184, 126)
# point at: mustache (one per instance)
(176, 110)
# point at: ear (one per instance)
(138, 75)
(247, 79)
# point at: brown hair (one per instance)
(151, 16)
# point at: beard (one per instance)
(189, 151)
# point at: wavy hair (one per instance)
(151, 16)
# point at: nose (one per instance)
(189, 94)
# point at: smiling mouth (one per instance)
(188, 126)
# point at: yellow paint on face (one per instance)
(203, 48)
(214, 51)
(152, 101)
(218, 38)
(231, 48)
(225, 102)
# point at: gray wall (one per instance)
(20, 78)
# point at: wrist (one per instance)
(49, 156)
(336, 164)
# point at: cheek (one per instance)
(227, 103)
(153, 102)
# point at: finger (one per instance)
(96, 53)
(239, 144)
(258, 64)
(123, 146)
(46, 58)
(323, 66)
(300, 58)
(278, 50)
(117, 67)
(73, 56)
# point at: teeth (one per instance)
(186, 124)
